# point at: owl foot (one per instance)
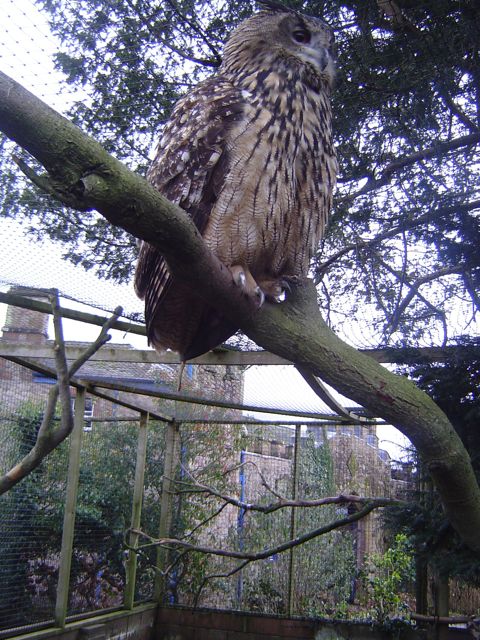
(244, 279)
(276, 290)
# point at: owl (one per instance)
(248, 154)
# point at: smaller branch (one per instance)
(362, 243)
(216, 576)
(201, 488)
(198, 30)
(324, 394)
(61, 365)
(414, 292)
(264, 483)
(439, 149)
(456, 111)
(206, 520)
(470, 288)
(46, 184)
(158, 39)
(102, 338)
(205, 62)
(283, 503)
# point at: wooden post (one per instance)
(131, 568)
(63, 585)
(171, 462)
(442, 603)
(293, 521)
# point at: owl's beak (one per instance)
(320, 57)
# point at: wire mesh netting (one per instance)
(255, 469)
(213, 459)
(32, 513)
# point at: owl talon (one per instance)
(260, 296)
(241, 279)
(244, 279)
(276, 290)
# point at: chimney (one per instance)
(23, 325)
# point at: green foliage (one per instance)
(329, 559)
(323, 567)
(385, 576)
(207, 453)
(31, 518)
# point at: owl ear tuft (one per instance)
(272, 5)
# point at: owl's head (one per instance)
(279, 33)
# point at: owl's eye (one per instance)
(302, 36)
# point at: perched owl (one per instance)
(248, 155)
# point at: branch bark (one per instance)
(82, 174)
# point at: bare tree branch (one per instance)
(232, 469)
(196, 28)
(173, 543)
(286, 502)
(413, 292)
(216, 576)
(410, 223)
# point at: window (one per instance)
(88, 412)
(372, 440)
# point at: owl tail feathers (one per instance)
(213, 330)
(208, 336)
(184, 323)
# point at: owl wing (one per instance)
(189, 169)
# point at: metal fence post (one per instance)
(171, 463)
(131, 568)
(293, 521)
(63, 585)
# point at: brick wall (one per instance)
(177, 623)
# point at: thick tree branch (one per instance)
(82, 171)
